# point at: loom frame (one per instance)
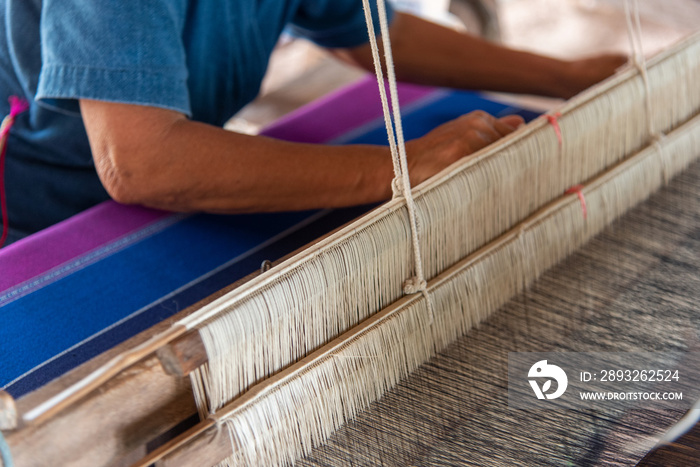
(146, 377)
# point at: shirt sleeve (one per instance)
(127, 51)
(335, 23)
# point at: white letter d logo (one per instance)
(542, 370)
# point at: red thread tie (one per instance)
(554, 121)
(17, 106)
(578, 189)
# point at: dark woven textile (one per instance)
(636, 287)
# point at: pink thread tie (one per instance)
(578, 189)
(17, 106)
(554, 121)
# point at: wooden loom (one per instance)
(491, 224)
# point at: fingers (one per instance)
(481, 129)
(503, 125)
(513, 121)
(455, 139)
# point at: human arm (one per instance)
(427, 53)
(159, 158)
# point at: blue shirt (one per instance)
(204, 58)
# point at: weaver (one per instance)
(336, 313)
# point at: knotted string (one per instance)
(401, 185)
(17, 106)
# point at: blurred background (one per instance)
(300, 72)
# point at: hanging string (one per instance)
(395, 185)
(634, 32)
(401, 184)
(17, 106)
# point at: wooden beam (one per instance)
(209, 448)
(184, 355)
(108, 424)
(203, 444)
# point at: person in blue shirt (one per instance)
(128, 99)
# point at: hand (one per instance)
(453, 140)
(582, 74)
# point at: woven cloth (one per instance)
(633, 288)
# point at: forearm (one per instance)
(471, 63)
(427, 53)
(191, 166)
(221, 171)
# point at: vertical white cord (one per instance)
(402, 183)
(393, 93)
(396, 189)
(634, 32)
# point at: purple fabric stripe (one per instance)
(69, 239)
(84, 260)
(328, 118)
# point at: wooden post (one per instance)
(8, 412)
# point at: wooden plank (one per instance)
(133, 408)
